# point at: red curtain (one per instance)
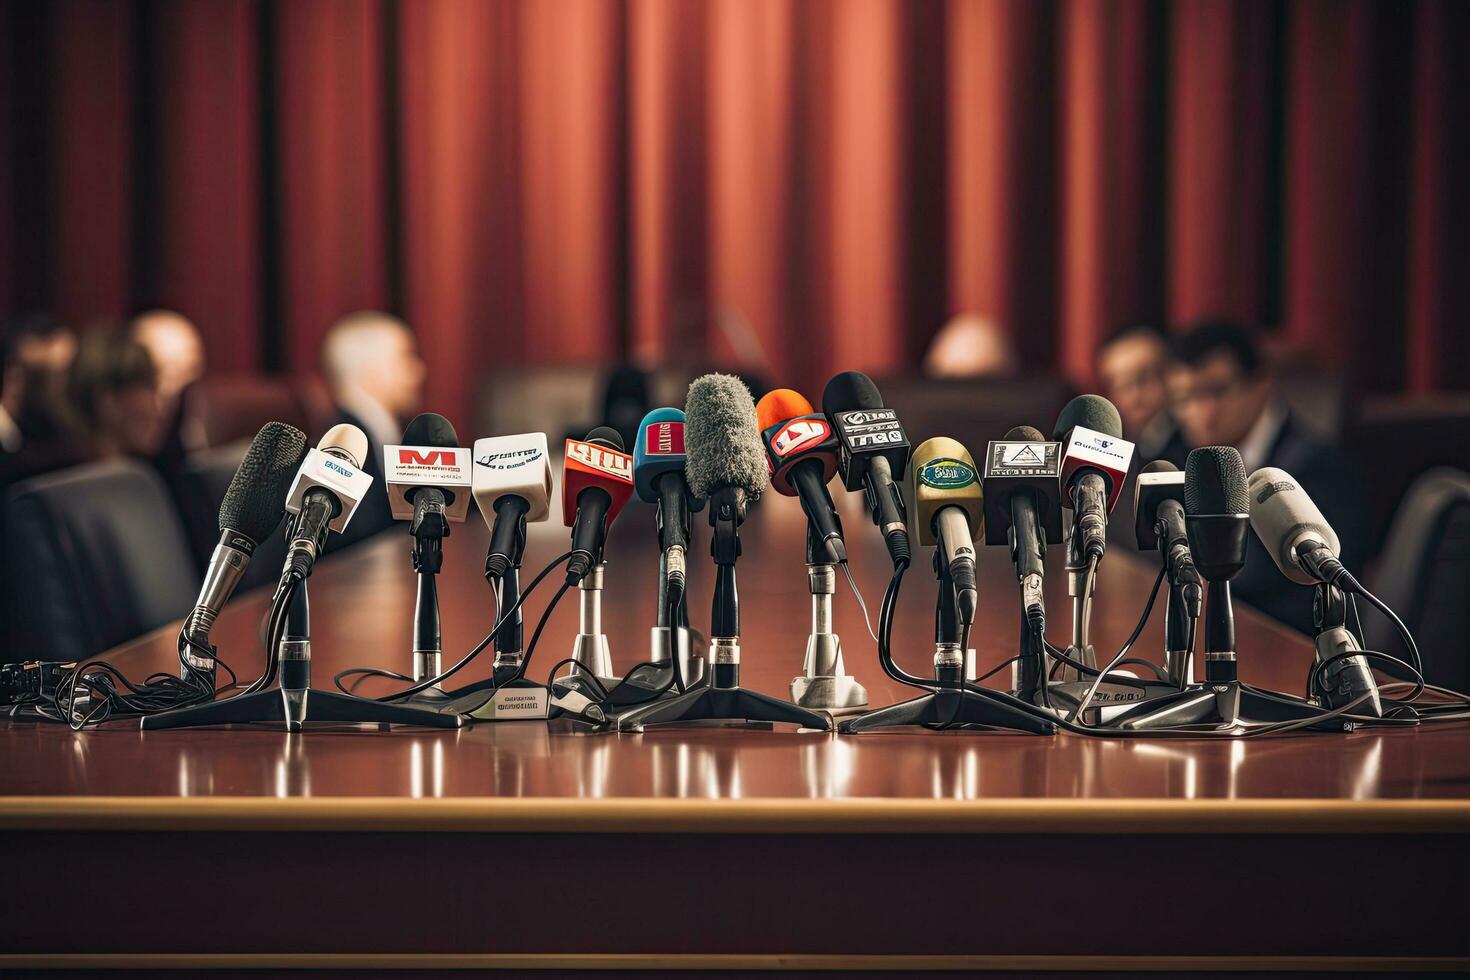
(806, 184)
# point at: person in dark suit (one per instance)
(37, 433)
(1223, 394)
(376, 376)
(1130, 368)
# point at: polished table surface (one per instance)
(362, 602)
(516, 845)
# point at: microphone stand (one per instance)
(1077, 587)
(950, 703)
(1218, 543)
(637, 688)
(723, 699)
(1351, 678)
(824, 683)
(505, 695)
(429, 529)
(297, 701)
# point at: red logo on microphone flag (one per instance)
(434, 457)
(664, 439)
(799, 434)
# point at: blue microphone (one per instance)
(658, 477)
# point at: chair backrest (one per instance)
(205, 478)
(93, 556)
(1424, 576)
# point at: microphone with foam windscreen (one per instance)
(801, 453)
(1095, 461)
(1217, 520)
(597, 480)
(947, 512)
(325, 494)
(429, 474)
(250, 512)
(873, 447)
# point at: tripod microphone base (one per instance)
(513, 699)
(1110, 699)
(946, 708)
(705, 704)
(841, 695)
(1224, 705)
(293, 708)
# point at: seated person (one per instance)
(1130, 368)
(113, 390)
(376, 377)
(35, 353)
(1223, 394)
(177, 350)
(971, 346)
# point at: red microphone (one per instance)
(801, 451)
(597, 480)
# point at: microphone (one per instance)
(1159, 522)
(802, 456)
(512, 486)
(1023, 507)
(429, 474)
(328, 487)
(1216, 522)
(598, 480)
(658, 478)
(947, 510)
(1300, 540)
(1095, 461)
(872, 447)
(249, 513)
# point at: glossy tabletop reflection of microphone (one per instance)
(802, 456)
(328, 487)
(947, 513)
(873, 447)
(250, 512)
(597, 480)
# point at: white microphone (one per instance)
(512, 486)
(428, 460)
(325, 494)
(1300, 540)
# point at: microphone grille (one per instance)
(722, 445)
(607, 435)
(1024, 433)
(849, 392)
(1092, 412)
(257, 494)
(430, 429)
(1214, 482)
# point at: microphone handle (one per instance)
(226, 567)
(317, 511)
(1089, 501)
(953, 527)
(508, 536)
(886, 501)
(587, 530)
(806, 476)
(1028, 550)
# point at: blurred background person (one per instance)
(177, 351)
(1224, 394)
(971, 346)
(376, 378)
(112, 389)
(1130, 367)
(36, 351)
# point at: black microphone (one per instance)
(430, 502)
(1216, 521)
(249, 513)
(1159, 522)
(598, 480)
(1095, 461)
(1023, 508)
(873, 447)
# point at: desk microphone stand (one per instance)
(505, 695)
(1351, 678)
(824, 683)
(1218, 543)
(950, 703)
(723, 699)
(1081, 649)
(639, 688)
(297, 701)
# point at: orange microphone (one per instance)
(801, 451)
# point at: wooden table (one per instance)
(509, 845)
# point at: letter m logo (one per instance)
(434, 457)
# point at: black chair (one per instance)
(1424, 576)
(93, 556)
